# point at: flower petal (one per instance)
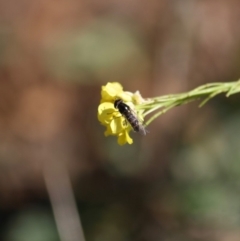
(110, 91)
(108, 131)
(105, 112)
(125, 96)
(124, 138)
(117, 125)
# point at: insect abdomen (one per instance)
(128, 114)
(133, 121)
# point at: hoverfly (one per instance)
(130, 116)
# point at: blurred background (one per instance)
(59, 175)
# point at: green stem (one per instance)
(167, 102)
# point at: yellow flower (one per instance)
(110, 117)
(112, 91)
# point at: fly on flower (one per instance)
(117, 112)
(130, 116)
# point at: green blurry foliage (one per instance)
(215, 205)
(104, 50)
(207, 174)
(128, 160)
(114, 223)
(215, 156)
(34, 224)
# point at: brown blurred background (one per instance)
(179, 183)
